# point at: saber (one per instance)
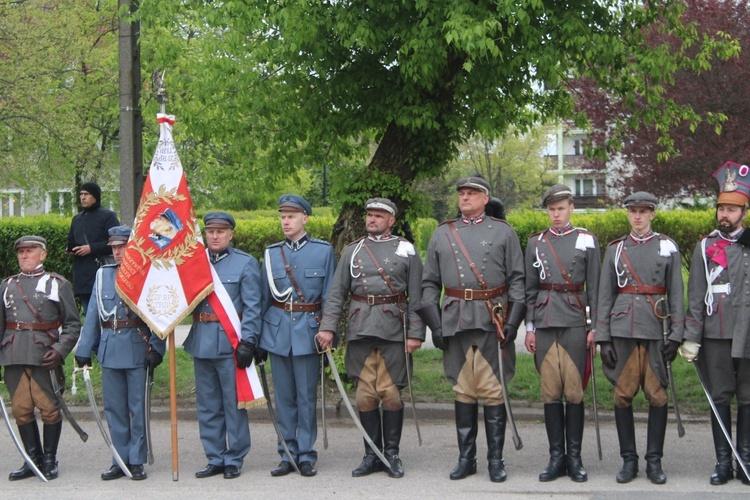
(323, 401)
(147, 415)
(665, 327)
(496, 315)
(64, 407)
(721, 422)
(273, 416)
(516, 438)
(98, 418)
(349, 407)
(592, 355)
(408, 378)
(23, 453)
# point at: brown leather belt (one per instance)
(373, 300)
(470, 294)
(205, 317)
(562, 287)
(297, 306)
(643, 289)
(124, 323)
(23, 325)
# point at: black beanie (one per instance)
(93, 189)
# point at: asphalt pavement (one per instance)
(688, 461)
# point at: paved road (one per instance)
(688, 464)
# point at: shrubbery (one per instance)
(254, 233)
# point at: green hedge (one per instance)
(254, 233)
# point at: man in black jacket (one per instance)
(87, 240)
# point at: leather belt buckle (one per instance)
(468, 294)
(370, 300)
(287, 307)
(558, 287)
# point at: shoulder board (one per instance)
(495, 219)
(240, 252)
(536, 235)
(319, 242)
(57, 276)
(356, 241)
(618, 240)
(277, 244)
(110, 265)
(583, 230)
(446, 221)
(6, 280)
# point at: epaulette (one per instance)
(583, 230)
(240, 252)
(618, 240)
(319, 241)
(446, 221)
(277, 244)
(58, 277)
(498, 219)
(534, 235)
(356, 241)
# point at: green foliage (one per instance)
(422, 231)
(53, 228)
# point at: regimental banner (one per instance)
(165, 272)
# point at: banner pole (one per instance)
(173, 406)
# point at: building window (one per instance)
(61, 202)
(585, 187)
(577, 147)
(11, 203)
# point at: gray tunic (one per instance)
(493, 246)
(358, 273)
(578, 252)
(27, 347)
(657, 263)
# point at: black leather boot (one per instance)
(657, 428)
(466, 430)
(743, 440)
(51, 440)
(370, 462)
(495, 418)
(626, 437)
(554, 422)
(393, 423)
(723, 469)
(29, 434)
(574, 414)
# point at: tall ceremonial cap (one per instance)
(381, 204)
(295, 203)
(641, 199)
(474, 182)
(556, 193)
(30, 240)
(734, 184)
(119, 235)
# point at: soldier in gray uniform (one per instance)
(638, 271)
(478, 260)
(562, 280)
(35, 305)
(223, 426)
(126, 349)
(296, 275)
(382, 273)
(713, 327)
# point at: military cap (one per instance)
(30, 241)
(474, 182)
(218, 219)
(734, 184)
(556, 193)
(641, 199)
(381, 204)
(294, 202)
(118, 235)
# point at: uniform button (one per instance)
(462, 275)
(637, 298)
(460, 268)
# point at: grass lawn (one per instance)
(430, 384)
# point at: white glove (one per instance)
(689, 350)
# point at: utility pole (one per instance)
(131, 138)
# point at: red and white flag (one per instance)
(165, 272)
